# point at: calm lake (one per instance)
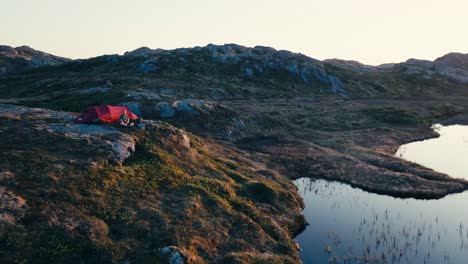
(348, 225)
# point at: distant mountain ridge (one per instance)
(453, 66)
(15, 60)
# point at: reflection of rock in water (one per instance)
(403, 233)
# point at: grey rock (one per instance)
(453, 66)
(121, 145)
(149, 66)
(191, 106)
(174, 255)
(249, 72)
(164, 110)
(135, 107)
(336, 84)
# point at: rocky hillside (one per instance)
(91, 193)
(209, 178)
(19, 59)
(453, 66)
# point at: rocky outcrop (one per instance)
(179, 107)
(259, 60)
(191, 106)
(119, 145)
(15, 60)
(453, 66)
(249, 62)
(142, 52)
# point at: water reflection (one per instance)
(447, 154)
(349, 225)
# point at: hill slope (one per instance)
(213, 183)
(64, 201)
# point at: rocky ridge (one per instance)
(15, 60)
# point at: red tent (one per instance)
(104, 114)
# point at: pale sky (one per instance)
(370, 31)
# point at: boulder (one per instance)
(174, 255)
(164, 110)
(191, 106)
(135, 107)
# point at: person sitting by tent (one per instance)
(125, 120)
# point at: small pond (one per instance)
(447, 154)
(348, 225)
